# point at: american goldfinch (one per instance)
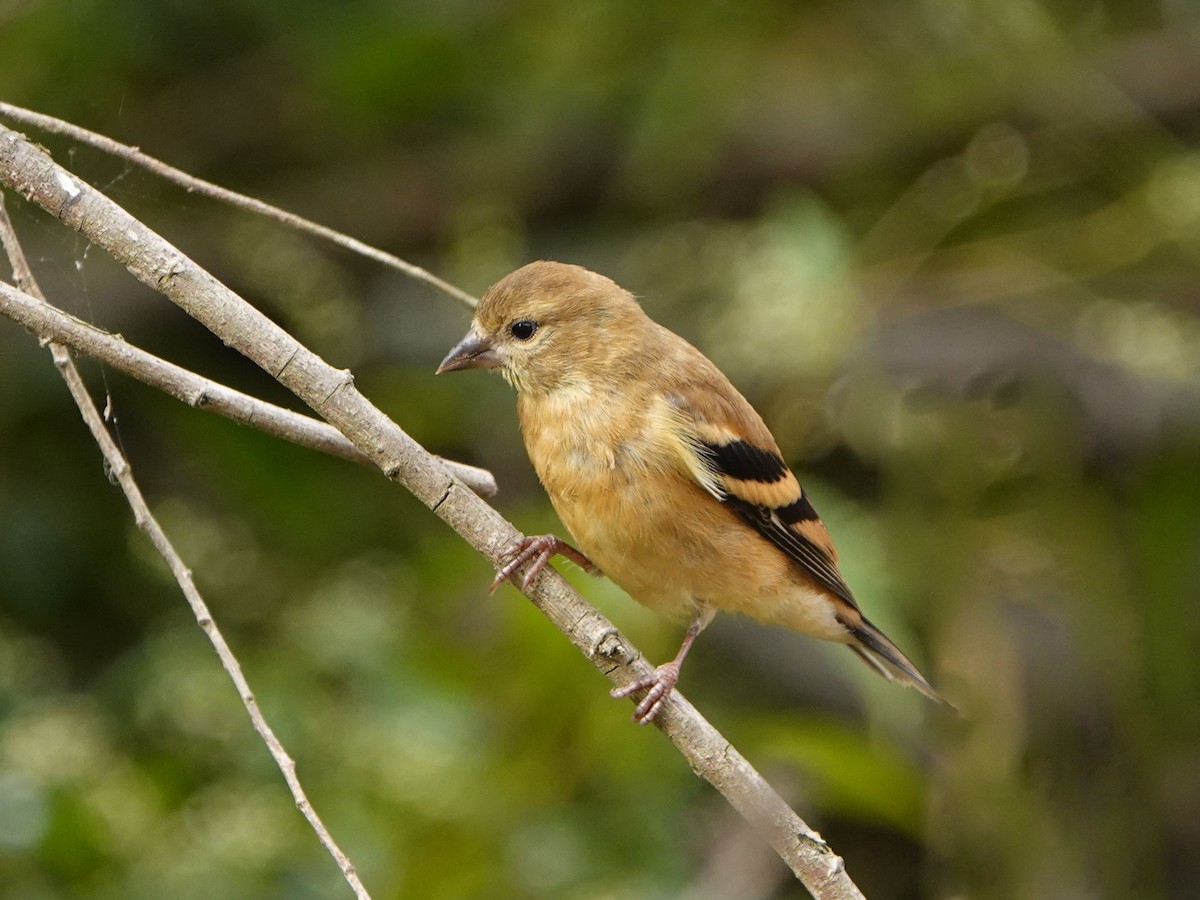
(663, 473)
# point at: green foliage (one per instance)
(949, 250)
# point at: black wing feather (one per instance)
(745, 461)
(795, 545)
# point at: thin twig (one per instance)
(331, 393)
(119, 468)
(51, 323)
(241, 201)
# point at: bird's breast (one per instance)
(611, 467)
(586, 445)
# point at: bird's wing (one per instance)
(729, 451)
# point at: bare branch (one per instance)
(119, 467)
(241, 201)
(331, 393)
(51, 323)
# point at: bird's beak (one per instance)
(472, 352)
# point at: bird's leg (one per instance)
(663, 679)
(537, 551)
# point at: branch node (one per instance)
(814, 838)
(167, 269)
(610, 646)
(287, 362)
(445, 496)
(345, 380)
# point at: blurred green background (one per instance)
(950, 250)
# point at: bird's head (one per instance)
(550, 324)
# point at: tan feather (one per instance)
(666, 477)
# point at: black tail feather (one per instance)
(873, 647)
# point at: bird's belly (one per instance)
(650, 556)
(677, 550)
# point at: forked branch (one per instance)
(119, 468)
(241, 201)
(331, 393)
(51, 323)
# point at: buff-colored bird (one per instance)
(663, 473)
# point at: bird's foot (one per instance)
(660, 683)
(537, 551)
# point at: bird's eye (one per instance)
(523, 330)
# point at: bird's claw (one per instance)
(660, 683)
(537, 551)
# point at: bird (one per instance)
(667, 479)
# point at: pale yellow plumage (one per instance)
(665, 476)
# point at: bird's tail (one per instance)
(873, 647)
